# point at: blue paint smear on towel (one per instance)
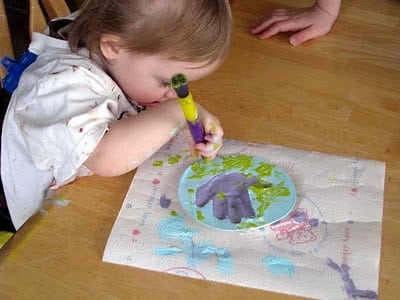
(173, 229)
(279, 265)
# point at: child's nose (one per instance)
(170, 93)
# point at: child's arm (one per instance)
(307, 23)
(131, 141)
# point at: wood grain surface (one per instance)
(338, 94)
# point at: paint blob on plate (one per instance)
(236, 192)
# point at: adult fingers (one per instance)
(266, 23)
(281, 26)
(303, 36)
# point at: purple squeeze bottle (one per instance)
(180, 85)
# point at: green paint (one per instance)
(216, 146)
(266, 194)
(246, 225)
(4, 237)
(213, 127)
(174, 213)
(158, 163)
(174, 159)
(264, 169)
(201, 169)
(221, 195)
(191, 191)
(242, 162)
(187, 154)
(200, 215)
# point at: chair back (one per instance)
(39, 12)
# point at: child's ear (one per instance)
(110, 45)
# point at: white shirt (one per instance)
(61, 109)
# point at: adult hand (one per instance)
(306, 23)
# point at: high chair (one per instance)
(39, 12)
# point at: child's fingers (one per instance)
(192, 146)
(213, 127)
(213, 138)
(209, 150)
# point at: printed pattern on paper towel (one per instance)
(306, 247)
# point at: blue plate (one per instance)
(236, 192)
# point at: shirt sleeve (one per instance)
(64, 114)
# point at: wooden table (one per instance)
(338, 94)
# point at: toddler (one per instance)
(98, 99)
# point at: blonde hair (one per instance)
(181, 30)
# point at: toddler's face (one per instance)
(145, 78)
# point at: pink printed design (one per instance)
(136, 231)
(296, 228)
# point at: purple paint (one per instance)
(229, 195)
(165, 202)
(349, 286)
(300, 216)
(196, 130)
(313, 222)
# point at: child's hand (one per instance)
(307, 23)
(213, 135)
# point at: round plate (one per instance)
(236, 192)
